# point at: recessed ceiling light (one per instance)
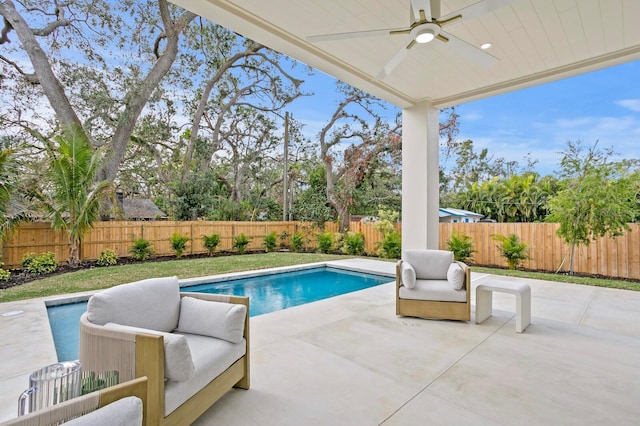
(485, 46)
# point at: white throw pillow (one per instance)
(456, 276)
(216, 319)
(408, 275)
(178, 365)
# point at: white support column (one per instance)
(420, 177)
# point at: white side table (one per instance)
(484, 296)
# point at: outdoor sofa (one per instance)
(430, 284)
(192, 347)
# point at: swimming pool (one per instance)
(267, 293)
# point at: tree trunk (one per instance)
(571, 257)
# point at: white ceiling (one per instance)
(536, 41)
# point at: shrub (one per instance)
(240, 242)
(270, 241)
(211, 242)
(462, 247)
(325, 242)
(353, 243)
(297, 242)
(4, 274)
(179, 243)
(107, 257)
(141, 249)
(391, 246)
(46, 263)
(512, 249)
(27, 258)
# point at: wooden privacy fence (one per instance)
(618, 257)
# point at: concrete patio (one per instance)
(349, 360)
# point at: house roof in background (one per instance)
(445, 212)
(141, 208)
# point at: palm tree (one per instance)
(75, 200)
(12, 210)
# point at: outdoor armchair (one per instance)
(117, 405)
(193, 347)
(430, 284)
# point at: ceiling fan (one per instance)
(426, 26)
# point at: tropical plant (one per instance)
(8, 220)
(240, 242)
(462, 247)
(4, 274)
(141, 249)
(391, 246)
(353, 243)
(75, 197)
(297, 241)
(211, 242)
(325, 242)
(270, 241)
(45, 263)
(178, 243)
(512, 249)
(107, 257)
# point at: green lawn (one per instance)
(597, 282)
(99, 278)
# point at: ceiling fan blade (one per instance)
(354, 34)
(417, 6)
(478, 9)
(394, 62)
(469, 51)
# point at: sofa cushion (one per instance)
(178, 364)
(434, 290)
(211, 357)
(456, 276)
(216, 319)
(408, 275)
(123, 412)
(429, 264)
(153, 303)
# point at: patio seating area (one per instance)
(351, 360)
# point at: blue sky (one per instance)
(602, 105)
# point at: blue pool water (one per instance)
(267, 293)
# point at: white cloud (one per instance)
(632, 104)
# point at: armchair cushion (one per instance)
(153, 303)
(216, 319)
(408, 275)
(456, 276)
(429, 264)
(433, 290)
(123, 412)
(178, 365)
(211, 357)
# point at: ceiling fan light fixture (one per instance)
(425, 35)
